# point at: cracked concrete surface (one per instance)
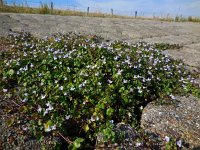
(186, 34)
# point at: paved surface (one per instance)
(180, 121)
(131, 30)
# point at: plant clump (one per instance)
(74, 86)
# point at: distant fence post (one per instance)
(154, 16)
(88, 10)
(135, 14)
(1, 3)
(112, 12)
(51, 7)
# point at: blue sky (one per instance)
(144, 7)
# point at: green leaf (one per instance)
(77, 143)
(25, 84)
(10, 122)
(9, 95)
(23, 109)
(40, 137)
(47, 125)
(86, 127)
(11, 72)
(109, 111)
(39, 122)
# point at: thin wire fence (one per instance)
(74, 6)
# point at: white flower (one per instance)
(5, 90)
(53, 127)
(54, 58)
(92, 119)
(31, 65)
(67, 117)
(116, 57)
(109, 81)
(97, 118)
(34, 92)
(43, 96)
(72, 89)
(48, 129)
(149, 72)
(125, 81)
(25, 68)
(140, 91)
(7, 64)
(131, 89)
(179, 143)
(138, 144)
(50, 106)
(119, 72)
(24, 100)
(46, 112)
(39, 108)
(24, 128)
(141, 108)
(25, 54)
(111, 121)
(167, 139)
(104, 61)
(80, 85)
(148, 79)
(172, 96)
(158, 78)
(61, 88)
(40, 74)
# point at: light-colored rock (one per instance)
(181, 120)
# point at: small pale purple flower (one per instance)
(67, 117)
(179, 143)
(43, 96)
(167, 139)
(61, 88)
(45, 112)
(50, 106)
(5, 90)
(39, 108)
(138, 144)
(92, 119)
